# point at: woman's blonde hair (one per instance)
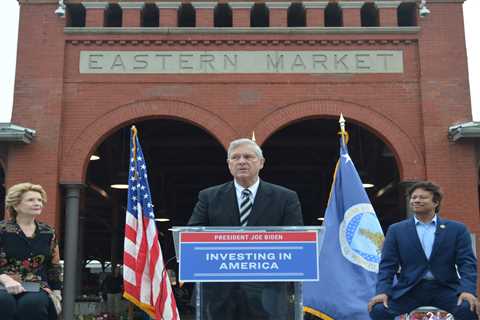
(16, 192)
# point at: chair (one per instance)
(429, 313)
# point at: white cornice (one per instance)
(269, 30)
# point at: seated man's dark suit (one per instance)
(273, 206)
(403, 253)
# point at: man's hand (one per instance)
(472, 301)
(11, 285)
(379, 298)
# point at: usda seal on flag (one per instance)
(361, 236)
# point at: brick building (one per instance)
(195, 75)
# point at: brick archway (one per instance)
(409, 158)
(75, 158)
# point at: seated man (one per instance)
(426, 251)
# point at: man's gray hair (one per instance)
(244, 141)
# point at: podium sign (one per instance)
(244, 256)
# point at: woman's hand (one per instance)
(11, 285)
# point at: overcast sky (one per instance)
(9, 29)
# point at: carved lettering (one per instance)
(206, 60)
(163, 59)
(360, 61)
(276, 64)
(244, 62)
(141, 59)
(385, 57)
(319, 59)
(228, 61)
(340, 60)
(118, 62)
(298, 63)
(93, 63)
(185, 61)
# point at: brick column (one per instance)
(94, 17)
(278, 17)
(204, 17)
(241, 17)
(131, 17)
(168, 17)
(388, 17)
(351, 17)
(315, 15)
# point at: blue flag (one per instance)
(349, 257)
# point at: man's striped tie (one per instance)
(245, 207)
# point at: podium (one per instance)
(259, 269)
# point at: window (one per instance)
(150, 17)
(222, 16)
(407, 14)
(369, 15)
(112, 16)
(259, 16)
(333, 15)
(296, 15)
(75, 15)
(186, 15)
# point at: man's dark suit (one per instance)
(452, 250)
(273, 206)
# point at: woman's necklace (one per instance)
(29, 230)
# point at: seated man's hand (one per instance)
(11, 285)
(379, 298)
(472, 301)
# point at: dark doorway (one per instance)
(181, 160)
(303, 155)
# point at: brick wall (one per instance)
(410, 112)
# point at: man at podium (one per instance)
(246, 201)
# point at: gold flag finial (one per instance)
(253, 136)
(342, 123)
(342, 132)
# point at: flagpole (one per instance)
(351, 271)
(342, 128)
(143, 257)
(134, 141)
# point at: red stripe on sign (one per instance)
(247, 236)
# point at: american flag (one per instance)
(146, 283)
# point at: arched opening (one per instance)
(369, 15)
(259, 16)
(302, 156)
(181, 160)
(76, 15)
(296, 15)
(113, 16)
(333, 15)
(407, 14)
(222, 16)
(186, 15)
(150, 16)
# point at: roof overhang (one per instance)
(464, 130)
(10, 132)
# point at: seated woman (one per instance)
(30, 271)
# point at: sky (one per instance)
(9, 31)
